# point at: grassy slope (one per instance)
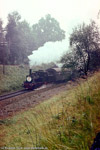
(13, 78)
(69, 121)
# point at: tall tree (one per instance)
(1, 40)
(13, 36)
(47, 29)
(26, 43)
(23, 39)
(85, 41)
(3, 44)
(85, 48)
(1, 28)
(20, 39)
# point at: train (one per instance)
(38, 78)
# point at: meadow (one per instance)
(13, 78)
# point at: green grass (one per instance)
(68, 121)
(13, 78)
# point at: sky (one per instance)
(69, 13)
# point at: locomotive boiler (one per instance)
(36, 79)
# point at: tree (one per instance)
(13, 36)
(23, 38)
(27, 42)
(69, 61)
(84, 55)
(47, 29)
(3, 47)
(85, 41)
(1, 41)
(20, 38)
(3, 44)
(1, 28)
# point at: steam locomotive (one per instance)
(36, 79)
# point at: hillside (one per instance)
(13, 78)
(67, 121)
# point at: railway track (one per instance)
(41, 89)
(23, 91)
(11, 106)
(6, 96)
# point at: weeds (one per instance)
(69, 121)
(13, 78)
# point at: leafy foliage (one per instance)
(1, 39)
(1, 30)
(69, 60)
(20, 39)
(3, 45)
(85, 48)
(47, 29)
(23, 39)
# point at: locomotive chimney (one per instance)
(30, 71)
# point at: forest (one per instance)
(18, 39)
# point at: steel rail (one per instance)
(13, 94)
(23, 91)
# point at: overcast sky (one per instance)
(68, 13)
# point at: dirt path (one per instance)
(11, 106)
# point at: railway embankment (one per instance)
(13, 78)
(68, 119)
